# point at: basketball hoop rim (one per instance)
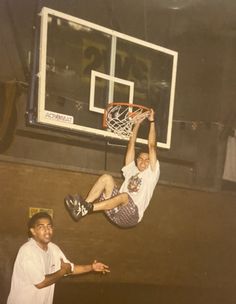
(112, 104)
(127, 104)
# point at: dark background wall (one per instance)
(185, 245)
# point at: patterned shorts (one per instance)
(124, 216)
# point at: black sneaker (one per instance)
(77, 207)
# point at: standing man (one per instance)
(40, 264)
(125, 206)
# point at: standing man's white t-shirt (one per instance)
(31, 265)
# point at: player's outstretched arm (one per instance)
(152, 141)
(130, 153)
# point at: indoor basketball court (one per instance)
(75, 78)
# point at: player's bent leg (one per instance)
(120, 209)
(78, 207)
(113, 202)
(105, 184)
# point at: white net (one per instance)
(120, 118)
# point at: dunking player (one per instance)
(125, 206)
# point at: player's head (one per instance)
(142, 159)
(40, 227)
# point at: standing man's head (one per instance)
(142, 160)
(40, 228)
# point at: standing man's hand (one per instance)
(100, 267)
(52, 278)
(66, 267)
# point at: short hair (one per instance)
(140, 151)
(143, 150)
(37, 216)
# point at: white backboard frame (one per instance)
(64, 121)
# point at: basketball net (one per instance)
(119, 118)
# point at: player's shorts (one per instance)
(124, 216)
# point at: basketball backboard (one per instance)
(84, 66)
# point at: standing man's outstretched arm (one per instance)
(152, 142)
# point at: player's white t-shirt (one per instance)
(31, 265)
(140, 185)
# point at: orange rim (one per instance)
(112, 104)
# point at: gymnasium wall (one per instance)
(183, 249)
